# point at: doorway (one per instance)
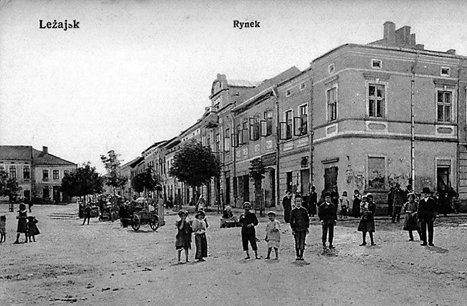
(330, 178)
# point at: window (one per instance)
(218, 141)
(376, 100)
(26, 173)
(331, 68)
(288, 122)
(268, 119)
(55, 175)
(227, 140)
(203, 140)
(331, 98)
(444, 102)
(377, 64)
(254, 128)
(301, 123)
(376, 172)
(12, 172)
(445, 71)
(302, 86)
(45, 175)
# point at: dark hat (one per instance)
(200, 213)
(427, 190)
(327, 194)
(247, 205)
(183, 212)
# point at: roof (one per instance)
(154, 145)
(242, 83)
(42, 158)
(16, 152)
(136, 161)
(266, 85)
(130, 162)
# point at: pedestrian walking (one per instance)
(2, 228)
(397, 201)
(249, 221)
(287, 204)
(327, 213)
(367, 221)
(357, 199)
(273, 234)
(427, 209)
(199, 229)
(22, 223)
(183, 237)
(87, 213)
(32, 228)
(410, 216)
(299, 222)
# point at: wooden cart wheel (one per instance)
(135, 222)
(154, 223)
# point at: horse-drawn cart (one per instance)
(144, 217)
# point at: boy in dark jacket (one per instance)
(249, 221)
(327, 214)
(299, 222)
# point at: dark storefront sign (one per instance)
(269, 159)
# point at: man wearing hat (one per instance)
(427, 214)
(249, 221)
(327, 213)
(299, 222)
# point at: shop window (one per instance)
(376, 172)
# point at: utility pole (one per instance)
(278, 133)
(412, 124)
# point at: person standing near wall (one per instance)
(287, 204)
(427, 209)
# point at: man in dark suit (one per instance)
(327, 213)
(427, 208)
(299, 222)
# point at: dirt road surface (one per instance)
(105, 264)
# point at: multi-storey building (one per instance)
(38, 173)
(360, 117)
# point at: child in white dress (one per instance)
(273, 234)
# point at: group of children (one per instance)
(185, 228)
(26, 225)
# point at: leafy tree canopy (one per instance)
(195, 165)
(9, 186)
(113, 177)
(146, 180)
(82, 181)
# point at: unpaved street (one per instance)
(105, 264)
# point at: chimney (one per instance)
(389, 32)
(403, 36)
(412, 42)
(451, 51)
(419, 46)
(45, 150)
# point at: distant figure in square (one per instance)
(367, 221)
(183, 238)
(22, 223)
(2, 228)
(410, 219)
(32, 228)
(87, 213)
(273, 234)
(199, 226)
(249, 221)
(427, 209)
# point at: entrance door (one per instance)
(27, 194)
(443, 182)
(45, 193)
(305, 182)
(330, 178)
(227, 191)
(246, 188)
(56, 194)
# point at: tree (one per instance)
(146, 181)
(82, 181)
(9, 187)
(195, 165)
(113, 178)
(257, 174)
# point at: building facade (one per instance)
(39, 173)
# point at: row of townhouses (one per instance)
(359, 117)
(38, 173)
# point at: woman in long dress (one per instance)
(22, 223)
(367, 221)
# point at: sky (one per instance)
(138, 72)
